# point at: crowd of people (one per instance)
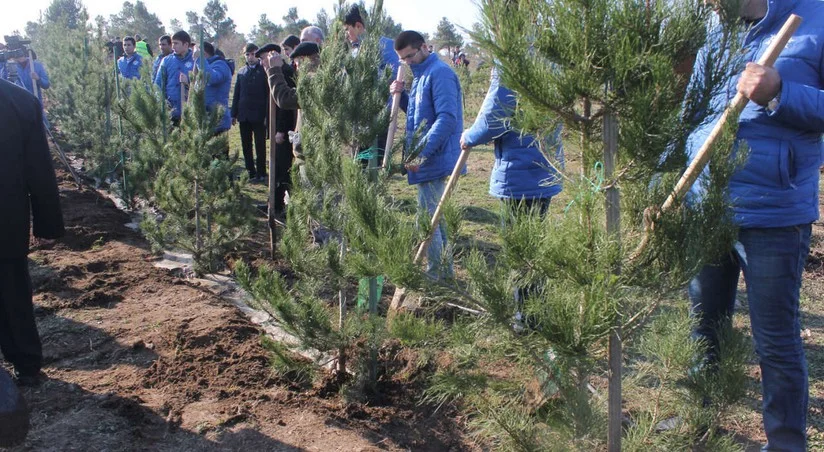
(774, 195)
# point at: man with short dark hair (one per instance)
(434, 105)
(174, 70)
(355, 30)
(218, 79)
(250, 108)
(165, 45)
(29, 201)
(288, 45)
(129, 64)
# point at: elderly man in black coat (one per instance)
(28, 197)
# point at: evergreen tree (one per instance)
(135, 18)
(447, 36)
(292, 23)
(265, 31)
(215, 21)
(617, 64)
(204, 211)
(341, 226)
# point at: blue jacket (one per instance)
(435, 100)
(156, 65)
(24, 76)
(521, 170)
(129, 68)
(218, 83)
(170, 69)
(778, 185)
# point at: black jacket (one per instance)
(28, 187)
(286, 118)
(250, 102)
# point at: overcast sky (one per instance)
(421, 15)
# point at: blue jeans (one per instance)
(772, 260)
(429, 194)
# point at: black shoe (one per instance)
(29, 380)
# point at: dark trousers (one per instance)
(19, 340)
(283, 174)
(247, 131)
(514, 208)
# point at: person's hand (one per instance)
(396, 87)
(464, 146)
(759, 84)
(196, 54)
(413, 166)
(274, 59)
(184, 78)
(234, 121)
(35, 76)
(264, 62)
(280, 138)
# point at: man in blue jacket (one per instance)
(774, 199)
(174, 70)
(129, 64)
(435, 109)
(218, 79)
(32, 80)
(355, 29)
(165, 45)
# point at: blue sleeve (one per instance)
(44, 77)
(446, 100)
(491, 121)
(391, 58)
(216, 73)
(158, 77)
(801, 107)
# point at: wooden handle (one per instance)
(738, 103)
(393, 119)
(703, 156)
(436, 217)
(272, 169)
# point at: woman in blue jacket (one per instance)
(521, 174)
(522, 178)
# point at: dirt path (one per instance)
(140, 360)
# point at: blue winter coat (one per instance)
(778, 185)
(25, 80)
(521, 170)
(129, 67)
(435, 100)
(170, 69)
(218, 83)
(156, 65)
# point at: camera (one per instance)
(16, 47)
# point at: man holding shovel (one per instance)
(434, 112)
(774, 198)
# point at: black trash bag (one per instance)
(14, 413)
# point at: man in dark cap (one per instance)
(28, 194)
(306, 56)
(250, 108)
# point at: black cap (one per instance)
(290, 41)
(305, 49)
(267, 48)
(250, 48)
